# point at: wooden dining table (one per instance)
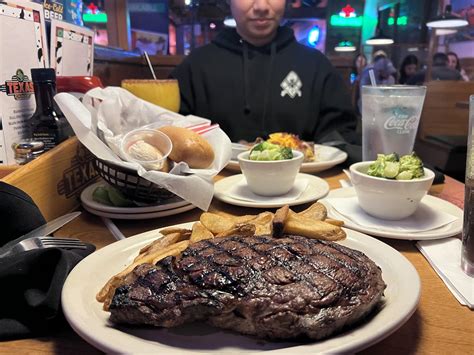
(440, 325)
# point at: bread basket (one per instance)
(130, 184)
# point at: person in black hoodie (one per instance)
(257, 79)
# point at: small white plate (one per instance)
(88, 201)
(317, 188)
(438, 204)
(91, 322)
(326, 158)
(138, 216)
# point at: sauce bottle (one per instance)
(48, 124)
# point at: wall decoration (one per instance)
(151, 42)
(72, 49)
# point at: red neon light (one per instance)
(348, 10)
(93, 8)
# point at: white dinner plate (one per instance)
(438, 204)
(138, 216)
(88, 201)
(326, 158)
(91, 322)
(316, 189)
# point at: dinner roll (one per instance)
(190, 147)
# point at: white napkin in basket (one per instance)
(113, 111)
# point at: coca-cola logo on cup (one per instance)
(403, 120)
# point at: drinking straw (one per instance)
(149, 64)
(372, 77)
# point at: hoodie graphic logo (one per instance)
(291, 85)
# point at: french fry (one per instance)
(247, 230)
(308, 227)
(335, 222)
(237, 219)
(170, 230)
(159, 244)
(215, 223)
(200, 233)
(279, 221)
(316, 211)
(172, 250)
(263, 223)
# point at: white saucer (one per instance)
(317, 188)
(139, 216)
(448, 230)
(326, 158)
(89, 203)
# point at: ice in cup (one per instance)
(148, 147)
(390, 119)
(467, 255)
(164, 93)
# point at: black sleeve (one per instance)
(183, 73)
(337, 117)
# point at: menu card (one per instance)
(72, 49)
(22, 47)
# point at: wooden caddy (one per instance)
(56, 178)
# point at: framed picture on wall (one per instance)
(72, 49)
(151, 42)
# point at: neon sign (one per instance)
(347, 17)
(401, 21)
(314, 35)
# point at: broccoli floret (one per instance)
(269, 151)
(377, 167)
(393, 157)
(405, 175)
(413, 164)
(391, 169)
(286, 153)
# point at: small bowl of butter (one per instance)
(148, 147)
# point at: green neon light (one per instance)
(337, 20)
(345, 44)
(401, 21)
(96, 18)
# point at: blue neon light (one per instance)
(314, 35)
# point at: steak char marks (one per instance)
(286, 288)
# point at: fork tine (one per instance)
(66, 246)
(54, 239)
(65, 242)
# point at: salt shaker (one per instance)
(467, 256)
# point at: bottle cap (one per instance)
(43, 74)
(27, 150)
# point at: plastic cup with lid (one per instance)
(148, 147)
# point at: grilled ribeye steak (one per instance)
(283, 288)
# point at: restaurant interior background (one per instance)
(169, 29)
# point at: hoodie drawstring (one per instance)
(266, 101)
(246, 78)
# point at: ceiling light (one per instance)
(230, 22)
(447, 20)
(380, 39)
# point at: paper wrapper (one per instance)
(112, 112)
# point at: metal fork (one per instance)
(44, 242)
